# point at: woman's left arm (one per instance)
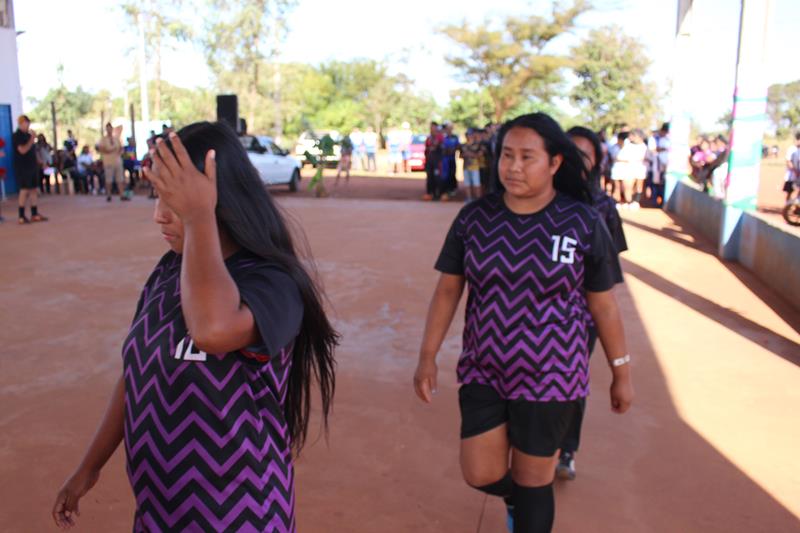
(605, 312)
(215, 316)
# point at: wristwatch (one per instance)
(619, 361)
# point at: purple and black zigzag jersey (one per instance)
(205, 435)
(607, 207)
(525, 333)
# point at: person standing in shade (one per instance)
(26, 169)
(450, 145)
(110, 148)
(535, 258)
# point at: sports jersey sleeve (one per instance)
(451, 258)
(614, 225)
(274, 299)
(601, 264)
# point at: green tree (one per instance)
(240, 36)
(469, 108)
(783, 107)
(512, 62)
(611, 68)
(164, 25)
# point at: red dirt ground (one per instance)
(710, 445)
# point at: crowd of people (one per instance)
(106, 168)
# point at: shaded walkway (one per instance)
(709, 447)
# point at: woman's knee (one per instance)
(478, 476)
(533, 471)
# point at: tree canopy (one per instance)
(612, 89)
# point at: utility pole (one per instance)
(749, 123)
(143, 104)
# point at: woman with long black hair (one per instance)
(535, 257)
(588, 142)
(227, 338)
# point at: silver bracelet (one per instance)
(619, 361)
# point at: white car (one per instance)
(273, 163)
(307, 143)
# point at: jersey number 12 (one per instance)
(564, 249)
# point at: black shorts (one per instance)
(788, 186)
(27, 178)
(535, 428)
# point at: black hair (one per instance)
(665, 127)
(571, 177)
(623, 135)
(589, 135)
(434, 123)
(797, 136)
(246, 211)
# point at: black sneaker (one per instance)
(566, 466)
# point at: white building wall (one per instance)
(10, 88)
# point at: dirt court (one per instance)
(709, 446)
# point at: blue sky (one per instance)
(90, 40)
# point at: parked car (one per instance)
(307, 143)
(273, 163)
(416, 156)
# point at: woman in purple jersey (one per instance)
(590, 146)
(534, 258)
(228, 336)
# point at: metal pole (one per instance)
(749, 123)
(133, 123)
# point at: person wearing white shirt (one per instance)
(792, 180)
(630, 170)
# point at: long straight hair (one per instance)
(594, 140)
(246, 211)
(570, 178)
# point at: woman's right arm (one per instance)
(106, 440)
(440, 314)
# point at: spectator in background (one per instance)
(613, 151)
(718, 169)
(433, 157)
(406, 138)
(26, 169)
(345, 160)
(71, 143)
(131, 165)
(360, 156)
(450, 145)
(2, 169)
(394, 142)
(701, 158)
(663, 146)
(629, 169)
(110, 149)
(472, 153)
(84, 177)
(67, 162)
(371, 148)
(792, 169)
(44, 158)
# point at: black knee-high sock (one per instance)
(534, 509)
(502, 487)
(22, 212)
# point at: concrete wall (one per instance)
(773, 254)
(697, 208)
(768, 249)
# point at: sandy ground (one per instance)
(710, 445)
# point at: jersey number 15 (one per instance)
(564, 249)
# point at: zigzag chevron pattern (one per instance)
(525, 331)
(206, 441)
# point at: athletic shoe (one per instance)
(427, 198)
(108, 198)
(124, 199)
(444, 198)
(634, 206)
(24, 220)
(510, 518)
(566, 466)
(2, 220)
(39, 218)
